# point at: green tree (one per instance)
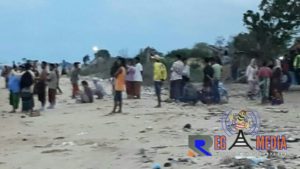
(103, 53)
(271, 29)
(86, 59)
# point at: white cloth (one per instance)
(251, 73)
(138, 73)
(177, 69)
(186, 71)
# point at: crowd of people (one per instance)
(265, 80)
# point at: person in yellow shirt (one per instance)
(297, 66)
(119, 85)
(159, 76)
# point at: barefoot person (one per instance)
(52, 85)
(119, 85)
(14, 88)
(159, 76)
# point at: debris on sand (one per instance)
(156, 166)
(277, 110)
(187, 127)
(55, 151)
(45, 146)
(59, 138)
(35, 114)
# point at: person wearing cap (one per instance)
(26, 88)
(75, 79)
(159, 76)
(52, 86)
(14, 88)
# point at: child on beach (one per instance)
(119, 85)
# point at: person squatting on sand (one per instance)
(86, 96)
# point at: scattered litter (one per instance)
(68, 144)
(167, 164)
(59, 138)
(24, 139)
(149, 128)
(156, 166)
(34, 114)
(82, 133)
(187, 127)
(55, 151)
(45, 146)
(23, 116)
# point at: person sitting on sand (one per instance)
(190, 93)
(99, 90)
(86, 96)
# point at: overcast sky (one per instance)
(55, 29)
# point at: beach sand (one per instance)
(81, 136)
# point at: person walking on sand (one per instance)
(52, 85)
(264, 74)
(26, 87)
(176, 78)
(138, 78)
(120, 76)
(14, 88)
(41, 85)
(159, 76)
(75, 79)
(251, 74)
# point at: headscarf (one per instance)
(277, 64)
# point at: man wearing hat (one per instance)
(159, 75)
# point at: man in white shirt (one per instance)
(138, 78)
(176, 78)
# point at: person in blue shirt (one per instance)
(14, 88)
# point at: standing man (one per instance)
(75, 79)
(216, 79)
(52, 85)
(159, 76)
(176, 78)
(138, 77)
(185, 74)
(26, 87)
(41, 85)
(5, 73)
(297, 66)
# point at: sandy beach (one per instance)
(81, 136)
